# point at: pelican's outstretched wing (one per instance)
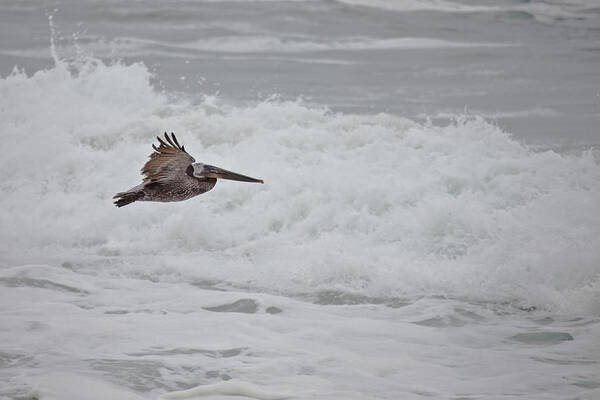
(169, 161)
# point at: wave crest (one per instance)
(375, 204)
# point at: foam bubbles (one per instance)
(377, 205)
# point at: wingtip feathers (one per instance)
(168, 142)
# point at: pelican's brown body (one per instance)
(171, 175)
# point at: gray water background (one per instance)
(543, 86)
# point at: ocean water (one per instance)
(428, 227)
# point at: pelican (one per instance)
(172, 174)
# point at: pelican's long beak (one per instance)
(211, 171)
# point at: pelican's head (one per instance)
(200, 170)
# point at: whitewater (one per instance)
(376, 244)
(385, 257)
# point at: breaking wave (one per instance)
(377, 205)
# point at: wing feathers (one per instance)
(162, 144)
(175, 140)
(168, 162)
(170, 141)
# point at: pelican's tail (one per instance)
(128, 197)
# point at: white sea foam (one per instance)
(272, 44)
(426, 234)
(419, 5)
(62, 385)
(546, 11)
(227, 388)
(377, 205)
(537, 111)
(130, 47)
(384, 258)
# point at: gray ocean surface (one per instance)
(428, 227)
(532, 66)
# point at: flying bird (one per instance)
(172, 174)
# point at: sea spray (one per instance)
(376, 205)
